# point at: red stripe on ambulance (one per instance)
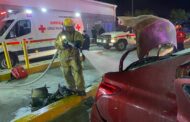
(32, 41)
(131, 35)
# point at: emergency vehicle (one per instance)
(117, 39)
(38, 28)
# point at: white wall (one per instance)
(86, 6)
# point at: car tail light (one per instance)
(106, 89)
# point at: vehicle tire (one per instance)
(107, 47)
(13, 58)
(121, 45)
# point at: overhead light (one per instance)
(10, 11)
(77, 14)
(28, 11)
(43, 9)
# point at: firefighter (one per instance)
(69, 42)
(181, 36)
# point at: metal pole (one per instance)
(6, 54)
(25, 54)
(132, 7)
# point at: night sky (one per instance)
(160, 7)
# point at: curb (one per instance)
(33, 69)
(57, 109)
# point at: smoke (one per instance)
(104, 64)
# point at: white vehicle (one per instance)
(38, 28)
(119, 40)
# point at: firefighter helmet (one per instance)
(68, 22)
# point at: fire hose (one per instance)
(38, 78)
(35, 80)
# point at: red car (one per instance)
(153, 89)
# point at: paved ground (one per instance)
(80, 113)
(15, 102)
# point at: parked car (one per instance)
(153, 89)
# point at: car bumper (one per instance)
(95, 115)
(104, 44)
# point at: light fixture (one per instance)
(28, 11)
(44, 10)
(63, 37)
(10, 11)
(77, 14)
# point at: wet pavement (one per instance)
(15, 101)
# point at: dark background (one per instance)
(159, 7)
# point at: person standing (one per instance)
(101, 31)
(86, 44)
(181, 36)
(94, 34)
(68, 43)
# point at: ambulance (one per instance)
(117, 39)
(38, 28)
